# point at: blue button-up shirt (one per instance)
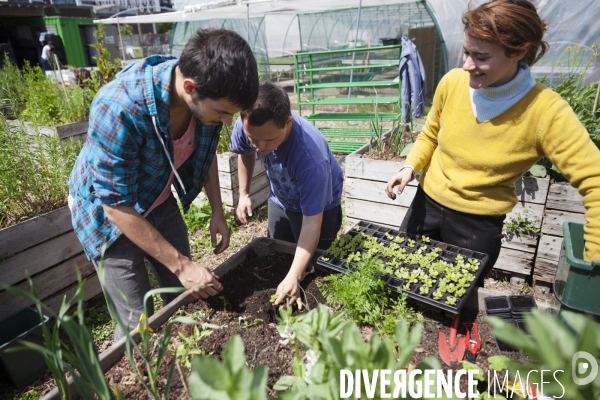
(124, 160)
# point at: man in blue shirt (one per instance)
(158, 124)
(305, 179)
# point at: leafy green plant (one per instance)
(366, 298)
(106, 69)
(198, 217)
(33, 171)
(187, 346)
(229, 380)
(13, 85)
(551, 345)
(79, 357)
(520, 223)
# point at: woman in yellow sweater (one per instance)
(489, 123)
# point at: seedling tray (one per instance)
(411, 244)
(497, 306)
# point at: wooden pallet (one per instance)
(564, 204)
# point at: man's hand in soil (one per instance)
(219, 225)
(401, 179)
(201, 281)
(244, 208)
(289, 291)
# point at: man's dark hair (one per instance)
(222, 65)
(273, 104)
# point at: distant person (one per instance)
(490, 122)
(305, 178)
(47, 56)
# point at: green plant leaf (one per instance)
(538, 171)
(473, 367)
(499, 363)
(284, 383)
(406, 150)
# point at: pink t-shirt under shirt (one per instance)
(183, 149)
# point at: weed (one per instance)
(521, 224)
(187, 346)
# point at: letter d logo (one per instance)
(580, 367)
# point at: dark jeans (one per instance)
(286, 225)
(125, 269)
(46, 65)
(475, 232)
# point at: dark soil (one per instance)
(246, 297)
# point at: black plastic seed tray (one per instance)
(411, 244)
(497, 306)
(521, 305)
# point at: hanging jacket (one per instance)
(128, 156)
(414, 81)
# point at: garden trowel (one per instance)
(456, 350)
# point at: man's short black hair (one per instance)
(273, 104)
(222, 65)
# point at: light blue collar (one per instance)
(489, 102)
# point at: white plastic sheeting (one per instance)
(569, 22)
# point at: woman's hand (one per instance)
(401, 179)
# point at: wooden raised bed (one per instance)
(228, 179)
(114, 354)
(564, 204)
(366, 200)
(47, 248)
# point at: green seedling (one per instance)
(274, 298)
(325, 259)
(425, 239)
(451, 301)
(424, 290)
(357, 228)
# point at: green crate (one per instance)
(25, 366)
(577, 281)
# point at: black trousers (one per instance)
(475, 232)
(286, 225)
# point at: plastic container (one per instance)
(496, 306)
(577, 281)
(327, 264)
(25, 366)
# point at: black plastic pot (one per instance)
(497, 306)
(25, 366)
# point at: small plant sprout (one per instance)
(406, 286)
(424, 290)
(388, 236)
(357, 228)
(398, 239)
(425, 239)
(451, 301)
(325, 259)
(437, 295)
(274, 298)
(411, 243)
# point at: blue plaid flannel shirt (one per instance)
(123, 161)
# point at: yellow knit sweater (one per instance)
(472, 166)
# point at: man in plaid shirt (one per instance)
(158, 124)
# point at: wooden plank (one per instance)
(73, 129)
(231, 196)
(34, 231)
(549, 248)
(46, 284)
(554, 219)
(227, 162)
(562, 196)
(532, 190)
(91, 288)
(258, 199)
(514, 261)
(39, 258)
(229, 180)
(374, 191)
(544, 270)
(373, 170)
(381, 214)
